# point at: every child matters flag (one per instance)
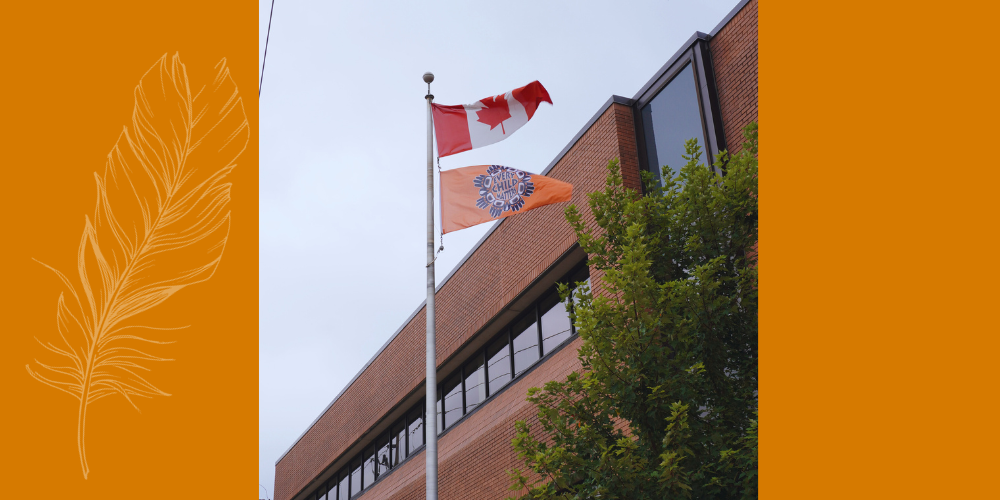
(469, 126)
(473, 195)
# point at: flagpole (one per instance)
(430, 420)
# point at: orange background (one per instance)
(879, 335)
(68, 75)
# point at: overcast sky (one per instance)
(343, 158)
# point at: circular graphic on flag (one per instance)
(503, 189)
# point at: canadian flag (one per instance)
(468, 126)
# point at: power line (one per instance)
(266, 40)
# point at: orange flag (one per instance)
(473, 195)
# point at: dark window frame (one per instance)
(699, 56)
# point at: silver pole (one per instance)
(431, 421)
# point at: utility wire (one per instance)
(266, 40)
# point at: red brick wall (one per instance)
(474, 294)
(734, 57)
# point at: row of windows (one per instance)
(543, 327)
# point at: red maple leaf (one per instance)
(494, 112)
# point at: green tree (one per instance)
(666, 404)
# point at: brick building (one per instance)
(501, 332)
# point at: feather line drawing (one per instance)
(160, 224)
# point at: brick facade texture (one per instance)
(734, 56)
(475, 455)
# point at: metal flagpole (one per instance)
(430, 421)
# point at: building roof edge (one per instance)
(729, 17)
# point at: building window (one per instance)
(344, 489)
(452, 389)
(382, 461)
(670, 119)
(415, 425)
(498, 366)
(556, 326)
(475, 384)
(356, 476)
(368, 471)
(525, 334)
(398, 443)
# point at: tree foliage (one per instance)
(666, 403)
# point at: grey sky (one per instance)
(343, 158)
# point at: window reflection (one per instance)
(670, 119)
(415, 428)
(397, 444)
(475, 385)
(382, 461)
(368, 468)
(525, 343)
(452, 399)
(355, 477)
(498, 364)
(344, 490)
(440, 417)
(556, 327)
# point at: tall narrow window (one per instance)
(382, 460)
(525, 334)
(415, 428)
(321, 493)
(344, 488)
(475, 384)
(440, 416)
(556, 327)
(398, 442)
(368, 467)
(670, 119)
(452, 399)
(498, 364)
(356, 476)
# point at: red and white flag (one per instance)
(469, 126)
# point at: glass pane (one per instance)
(355, 477)
(453, 399)
(415, 428)
(556, 327)
(368, 468)
(382, 461)
(440, 420)
(671, 118)
(475, 385)
(525, 334)
(321, 494)
(344, 490)
(498, 366)
(398, 443)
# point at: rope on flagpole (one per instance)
(441, 248)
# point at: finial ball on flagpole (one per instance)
(428, 77)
